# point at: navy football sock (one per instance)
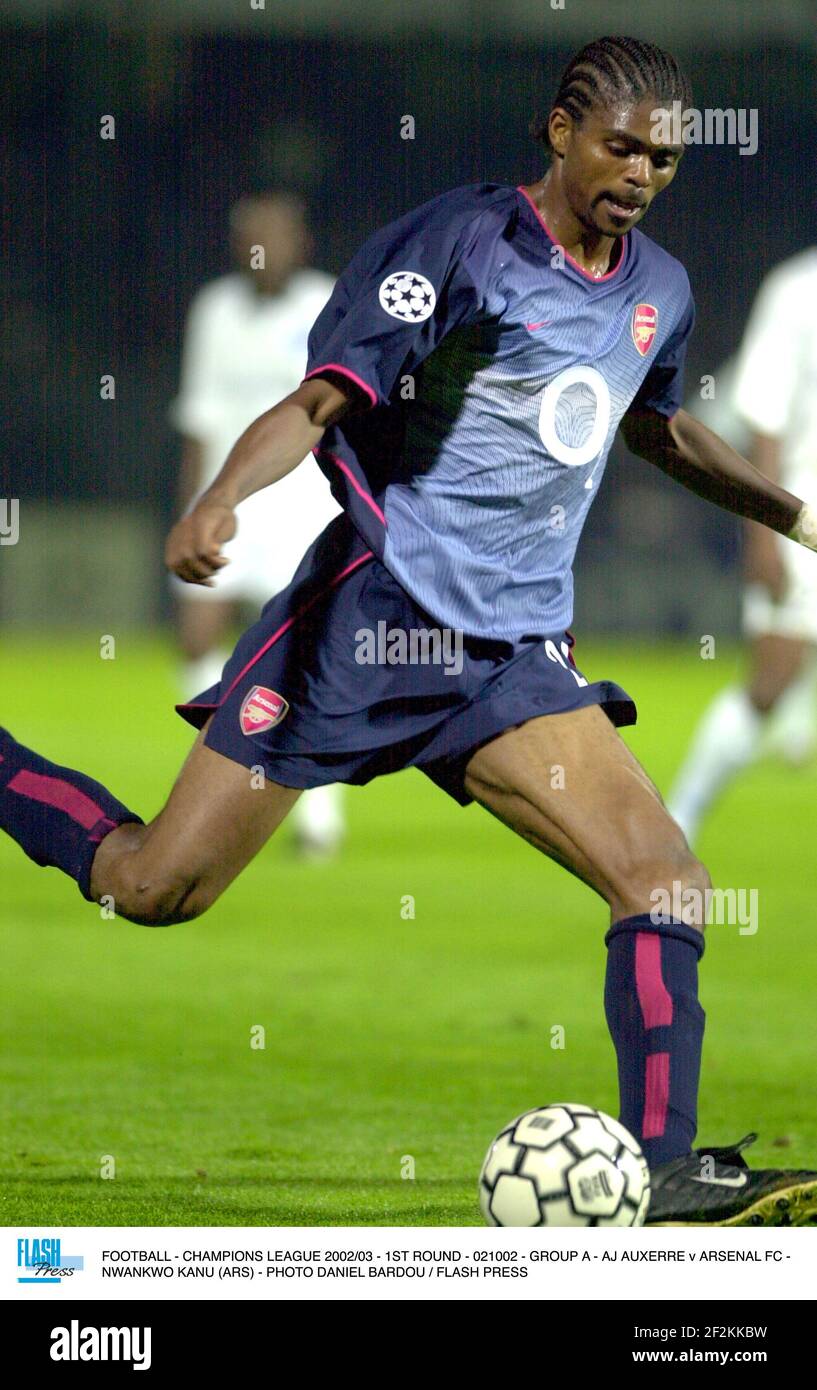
(57, 816)
(657, 1027)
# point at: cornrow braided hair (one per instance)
(615, 69)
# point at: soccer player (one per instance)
(244, 349)
(774, 394)
(464, 385)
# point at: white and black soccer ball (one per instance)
(564, 1165)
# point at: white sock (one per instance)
(197, 676)
(318, 817)
(724, 742)
(791, 729)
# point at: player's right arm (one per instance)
(270, 448)
(410, 284)
(198, 407)
(190, 471)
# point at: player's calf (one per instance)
(605, 821)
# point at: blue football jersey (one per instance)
(498, 371)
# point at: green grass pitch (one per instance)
(387, 1040)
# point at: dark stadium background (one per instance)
(104, 242)
(387, 1036)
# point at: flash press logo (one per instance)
(75, 1343)
(40, 1261)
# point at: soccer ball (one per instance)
(565, 1165)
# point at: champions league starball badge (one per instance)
(408, 296)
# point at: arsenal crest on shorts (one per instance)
(644, 325)
(262, 709)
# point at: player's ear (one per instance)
(560, 125)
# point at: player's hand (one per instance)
(193, 548)
(763, 561)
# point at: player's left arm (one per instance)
(700, 460)
(658, 430)
(693, 455)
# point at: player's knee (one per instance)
(166, 903)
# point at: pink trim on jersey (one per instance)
(53, 791)
(653, 996)
(369, 555)
(344, 371)
(595, 279)
(361, 492)
(656, 1095)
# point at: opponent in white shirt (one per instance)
(245, 348)
(774, 397)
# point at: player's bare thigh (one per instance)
(775, 663)
(570, 785)
(216, 819)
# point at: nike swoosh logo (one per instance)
(739, 1181)
(532, 326)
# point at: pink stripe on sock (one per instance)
(656, 1095)
(102, 829)
(52, 791)
(653, 996)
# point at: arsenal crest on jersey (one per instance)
(644, 325)
(262, 709)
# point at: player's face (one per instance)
(280, 230)
(613, 169)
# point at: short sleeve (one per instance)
(408, 286)
(766, 374)
(662, 389)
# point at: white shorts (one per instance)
(795, 615)
(275, 529)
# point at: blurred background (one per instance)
(106, 241)
(389, 1033)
